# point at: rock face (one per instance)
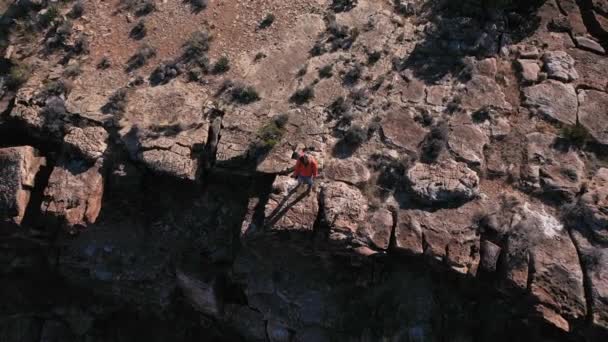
(289, 208)
(348, 171)
(345, 209)
(553, 100)
(560, 66)
(592, 114)
(402, 130)
(529, 70)
(90, 142)
(18, 167)
(165, 129)
(593, 206)
(444, 183)
(74, 193)
(467, 141)
(550, 171)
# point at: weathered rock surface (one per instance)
(593, 206)
(447, 182)
(468, 141)
(589, 44)
(592, 114)
(377, 228)
(551, 171)
(350, 171)
(345, 210)
(164, 128)
(560, 66)
(483, 91)
(553, 100)
(88, 142)
(400, 129)
(529, 70)
(18, 169)
(74, 193)
(291, 209)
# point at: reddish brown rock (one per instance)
(445, 182)
(483, 91)
(352, 171)
(74, 193)
(290, 209)
(553, 100)
(345, 209)
(468, 141)
(592, 206)
(400, 129)
(88, 142)
(592, 114)
(18, 169)
(377, 228)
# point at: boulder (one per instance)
(490, 253)
(529, 70)
(593, 206)
(592, 114)
(413, 91)
(446, 235)
(587, 43)
(467, 142)
(560, 66)
(352, 171)
(89, 142)
(164, 128)
(74, 193)
(558, 174)
(345, 209)
(377, 228)
(553, 100)
(18, 169)
(540, 257)
(446, 182)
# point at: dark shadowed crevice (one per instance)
(586, 280)
(591, 23)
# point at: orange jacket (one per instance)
(312, 169)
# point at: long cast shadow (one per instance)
(280, 211)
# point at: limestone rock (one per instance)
(352, 171)
(74, 193)
(88, 142)
(163, 127)
(553, 100)
(483, 91)
(443, 183)
(592, 114)
(345, 209)
(376, 230)
(589, 44)
(560, 66)
(593, 206)
(467, 141)
(529, 70)
(551, 171)
(18, 169)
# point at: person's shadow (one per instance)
(283, 207)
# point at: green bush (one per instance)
(222, 65)
(244, 94)
(356, 135)
(301, 96)
(270, 134)
(575, 134)
(267, 21)
(326, 71)
(18, 75)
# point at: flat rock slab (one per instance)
(529, 70)
(18, 169)
(589, 67)
(593, 114)
(553, 100)
(467, 141)
(377, 228)
(74, 193)
(483, 91)
(400, 129)
(345, 209)
(289, 208)
(352, 171)
(446, 182)
(164, 128)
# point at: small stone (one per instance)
(529, 70)
(589, 44)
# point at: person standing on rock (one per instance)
(307, 169)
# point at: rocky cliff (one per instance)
(145, 154)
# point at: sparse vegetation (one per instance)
(301, 96)
(56, 88)
(303, 70)
(104, 63)
(318, 49)
(164, 72)
(81, 45)
(326, 71)
(352, 75)
(340, 36)
(373, 57)
(138, 31)
(259, 56)
(355, 136)
(243, 94)
(195, 49)
(270, 134)
(54, 107)
(77, 10)
(576, 134)
(47, 16)
(434, 143)
(198, 5)
(140, 58)
(59, 36)
(72, 70)
(267, 21)
(117, 103)
(342, 5)
(139, 7)
(221, 65)
(403, 7)
(18, 75)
